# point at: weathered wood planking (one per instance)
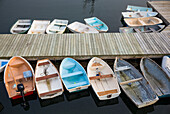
(163, 8)
(167, 29)
(85, 46)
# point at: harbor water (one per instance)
(84, 102)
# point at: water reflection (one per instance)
(133, 108)
(91, 2)
(47, 102)
(1, 107)
(76, 95)
(101, 103)
(23, 104)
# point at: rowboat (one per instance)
(18, 77)
(47, 80)
(126, 30)
(73, 75)
(157, 78)
(138, 8)
(3, 63)
(78, 27)
(166, 65)
(144, 21)
(57, 26)
(138, 14)
(21, 26)
(142, 29)
(134, 84)
(97, 24)
(39, 27)
(102, 79)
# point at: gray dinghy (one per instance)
(134, 84)
(157, 78)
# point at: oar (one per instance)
(13, 76)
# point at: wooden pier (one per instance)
(163, 8)
(85, 46)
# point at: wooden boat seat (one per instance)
(20, 29)
(46, 77)
(102, 93)
(44, 63)
(122, 68)
(24, 24)
(97, 25)
(130, 81)
(16, 64)
(69, 65)
(101, 76)
(70, 86)
(63, 24)
(50, 92)
(72, 74)
(16, 78)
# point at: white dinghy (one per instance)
(57, 26)
(39, 27)
(47, 79)
(102, 79)
(78, 27)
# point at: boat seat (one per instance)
(20, 29)
(16, 64)
(72, 74)
(24, 24)
(43, 63)
(101, 76)
(122, 68)
(50, 92)
(70, 86)
(102, 93)
(27, 74)
(46, 77)
(69, 65)
(62, 24)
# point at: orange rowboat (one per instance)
(18, 72)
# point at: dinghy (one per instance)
(73, 75)
(138, 14)
(102, 79)
(145, 21)
(21, 26)
(18, 77)
(57, 26)
(39, 27)
(138, 8)
(126, 30)
(97, 24)
(142, 29)
(134, 84)
(47, 79)
(157, 78)
(3, 63)
(78, 27)
(166, 65)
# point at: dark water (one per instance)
(84, 102)
(74, 10)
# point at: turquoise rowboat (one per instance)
(97, 24)
(138, 8)
(73, 75)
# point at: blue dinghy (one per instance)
(73, 75)
(138, 8)
(3, 63)
(97, 24)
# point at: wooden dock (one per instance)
(163, 8)
(85, 46)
